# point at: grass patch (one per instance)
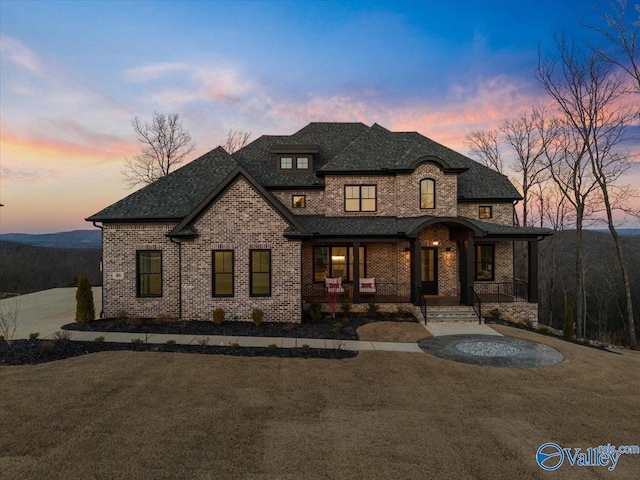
(374, 416)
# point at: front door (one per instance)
(429, 270)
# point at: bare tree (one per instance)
(589, 96)
(525, 135)
(166, 144)
(9, 316)
(485, 145)
(622, 28)
(236, 139)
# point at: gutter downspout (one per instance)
(101, 267)
(179, 243)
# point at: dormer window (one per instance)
(294, 158)
(286, 163)
(294, 163)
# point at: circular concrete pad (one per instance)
(505, 352)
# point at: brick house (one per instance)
(389, 217)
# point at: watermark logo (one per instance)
(550, 456)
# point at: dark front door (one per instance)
(429, 270)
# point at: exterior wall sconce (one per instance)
(448, 249)
(435, 244)
(447, 253)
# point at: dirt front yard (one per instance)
(378, 416)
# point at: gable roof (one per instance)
(343, 148)
(173, 196)
(186, 227)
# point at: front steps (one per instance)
(454, 313)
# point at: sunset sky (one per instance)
(73, 74)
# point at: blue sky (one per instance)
(73, 75)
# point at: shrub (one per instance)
(218, 316)
(273, 346)
(568, 330)
(203, 341)
(34, 335)
(235, 345)
(122, 315)
(134, 322)
(385, 315)
(346, 321)
(136, 341)
(171, 344)
(345, 307)
(306, 347)
(164, 319)
(372, 309)
(257, 315)
(337, 328)
(545, 331)
(495, 313)
(85, 309)
(99, 339)
(1, 338)
(315, 312)
(62, 335)
(47, 346)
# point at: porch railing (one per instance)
(423, 304)
(513, 290)
(477, 301)
(385, 293)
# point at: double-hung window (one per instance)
(149, 273)
(222, 273)
(260, 273)
(337, 262)
(360, 198)
(427, 193)
(485, 262)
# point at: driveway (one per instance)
(46, 311)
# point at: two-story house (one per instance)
(387, 217)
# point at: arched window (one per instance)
(427, 193)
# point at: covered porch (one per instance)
(408, 261)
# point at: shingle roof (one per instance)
(398, 227)
(342, 147)
(175, 195)
(331, 138)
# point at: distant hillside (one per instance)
(629, 232)
(25, 268)
(74, 239)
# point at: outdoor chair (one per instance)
(368, 285)
(334, 285)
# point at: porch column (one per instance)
(470, 258)
(414, 245)
(532, 285)
(462, 270)
(356, 272)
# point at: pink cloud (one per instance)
(20, 55)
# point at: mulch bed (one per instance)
(32, 352)
(343, 327)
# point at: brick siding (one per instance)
(120, 243)
(502, 212)
(241, 220)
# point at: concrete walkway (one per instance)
(47, 311)
(442, 329)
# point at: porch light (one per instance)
(435, 244)
(338, 258)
